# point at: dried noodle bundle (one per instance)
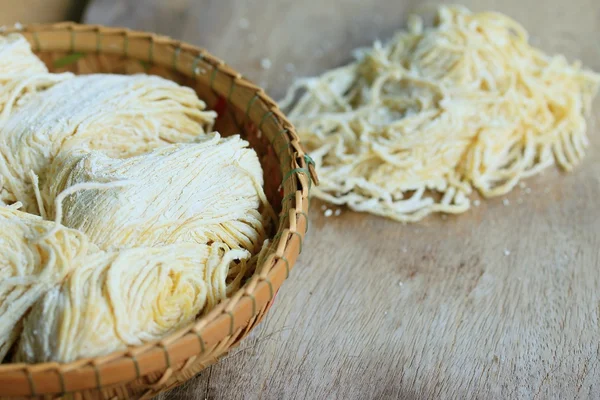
(411, 127)
(120, 115)
(31, 265)
(163, 233)
(117, 299)
(207, 191)
(22, 74)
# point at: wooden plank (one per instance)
(501, 302)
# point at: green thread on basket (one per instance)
(288, 197)
(230, 110)
(250, 103)
(300, 238)
(231, 323)
(283, 216)
(294, 233)
(126, 45)
(305, 217)
(67, 60)
(61, 380)
(281, 148)
(31, 383)
(279, 134)
(136, 365)
(98, 42)
(36, 39)
(98, 378)
(201, 340)
(272, 293)
(287, 266)
(72, 41)
(195, 64)
(151, 51)
(176, 57)
(309, 160)
(253, 304)
(283, 162)
(263, 119)
(297, 170)
(231, 89)
(167, 356)
(282, 225)
(145, 64)
(286, 216)
(213, 76)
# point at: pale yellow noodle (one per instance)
(154, 220)
(124, 298)
(22, 74)
(29, 267)
(119, 115)
(412, 126)
(206, 191)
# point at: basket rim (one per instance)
(235, 316)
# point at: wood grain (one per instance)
(500, 303)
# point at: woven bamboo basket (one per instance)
(144, 371)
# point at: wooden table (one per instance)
(500, 303)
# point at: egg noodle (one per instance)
(122, 219)
(29, 266)
(121, 115)
(125, 298)
(414, 125)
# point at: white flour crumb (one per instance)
(265, 63)
(527, 190)
(328, 213)
(338, 212)
(244, 23)
(522, 185)
(476, 202)
(199, 71)
(404, 249)
(506, 252)
(400, 283)
(18, 25)
(323, 207)
(506, 202)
